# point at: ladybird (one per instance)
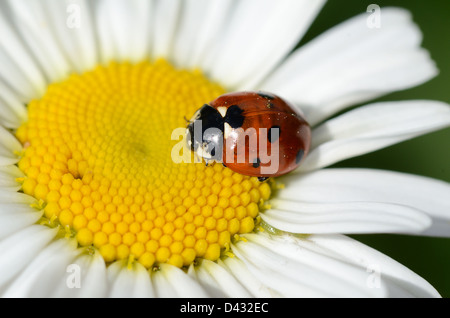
(256, 134)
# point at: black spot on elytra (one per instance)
(299, 156)
(273, 136)
(234, 116)
(256, 163)
(266, 95)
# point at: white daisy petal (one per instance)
(19, 249)
(284, 265)
(171, 282)
(238, 269)
(334, 186)
(179, 284)
(373, 127)
(46, 272)
(13, 112)
(381, 270)
(129, 282)
(348, 217)
(8, 148)
(338, 265)
(11, 197)
(198, 24)
(72, 23)
(353, 63)
(90, 270)
(14, 217)
(18, 69)
(124, 29)
(257, 36)
(189, 25)
(218, 281)
(8, 176)
(194, 41)
(106, 45)
(162, 287)
(32, 21)
(14, 86)
(165, 22)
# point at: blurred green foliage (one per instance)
(427, 155)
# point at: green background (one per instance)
(427, 155)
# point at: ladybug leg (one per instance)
(262, 179)
(209, 162)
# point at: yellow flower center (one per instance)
(98, 155)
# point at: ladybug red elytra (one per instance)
(253, 133)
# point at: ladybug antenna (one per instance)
(187, 120)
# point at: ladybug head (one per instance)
(204, 134)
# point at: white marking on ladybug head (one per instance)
(222, 111)
(201, 152)
(227, 130)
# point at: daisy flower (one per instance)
(92, 205)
